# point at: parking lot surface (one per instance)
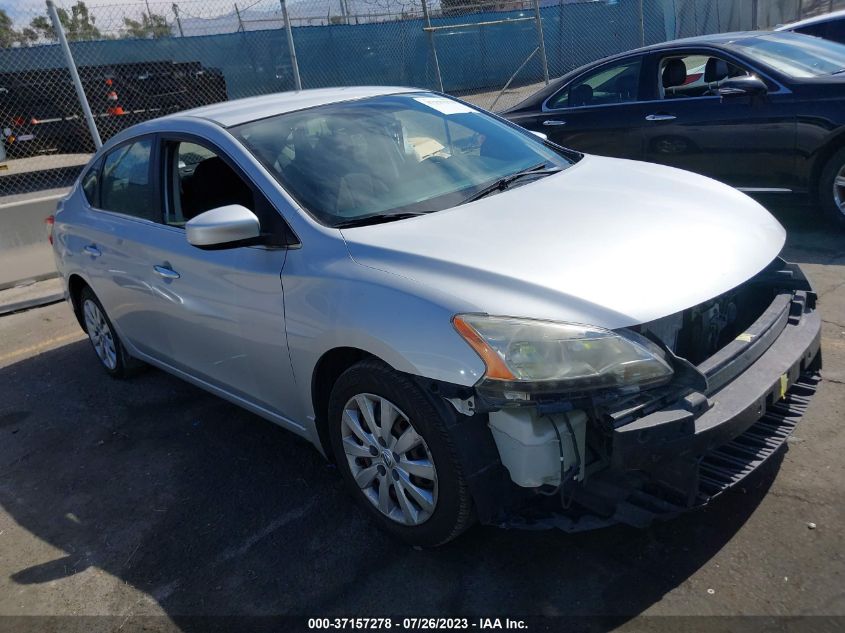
(150, 497)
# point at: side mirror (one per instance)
(540, 135)
(748, 86)
(222, 227)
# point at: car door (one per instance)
(597, 112)
(117, 227)
(224, 313)
(745, 141)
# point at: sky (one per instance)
(109, 14)
(22, 11)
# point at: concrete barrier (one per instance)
(25, 253)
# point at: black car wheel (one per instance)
(832, 188)
(396, 456)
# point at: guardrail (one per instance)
(25, 253)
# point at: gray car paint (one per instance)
(251, 323)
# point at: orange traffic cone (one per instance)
(114, 106)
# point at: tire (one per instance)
(831, 195)
(107, 345)
(429, 503)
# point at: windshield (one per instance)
(796, 55)
(408, 153)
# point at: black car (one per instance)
(762, 111)
(830, 26)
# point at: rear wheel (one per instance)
(832, 188)
(106, 343)
(396, 456)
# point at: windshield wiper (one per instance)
(378, 218)
(838, 72)
(503, 183)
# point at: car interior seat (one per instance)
(214, 184)
(627, 86)
(674, 75)
(581, 95)
(715, 70)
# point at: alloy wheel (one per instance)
(839, 189)
(389, 460)
(100, 334)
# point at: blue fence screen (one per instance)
(389, 53)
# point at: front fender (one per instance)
(344, 304)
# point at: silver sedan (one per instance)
(472, 322)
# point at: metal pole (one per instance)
(178, 19)
(642, 23)
(74, 74)
(291, 48)
(512, 77)
(240, 22)
(431, 44)
(540, 42)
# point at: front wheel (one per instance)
(832, 188)
(396, 456)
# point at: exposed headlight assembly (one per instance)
(560, 357)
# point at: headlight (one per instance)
(562, 357)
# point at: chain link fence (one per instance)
(141, 60)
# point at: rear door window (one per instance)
(126, 184)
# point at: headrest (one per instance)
(674, 73)
(581, 95)
(715, 70)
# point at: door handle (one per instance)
(661, 117)
(167, 273)
(92, 250)
(553, 122)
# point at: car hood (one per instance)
(607, 242)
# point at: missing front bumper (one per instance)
(684, 455)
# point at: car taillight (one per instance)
(50, 221)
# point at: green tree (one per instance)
(78, 24)
(151, 26)
(43, 27)
(8, 35)
(27, 36)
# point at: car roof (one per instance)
(229, 113)
(819, 19)
(716, 39)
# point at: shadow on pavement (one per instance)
(213, 511)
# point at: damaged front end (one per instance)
(639, 442)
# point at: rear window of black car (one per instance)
(833, 30)
(795, 55)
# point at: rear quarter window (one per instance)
(91, 184)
